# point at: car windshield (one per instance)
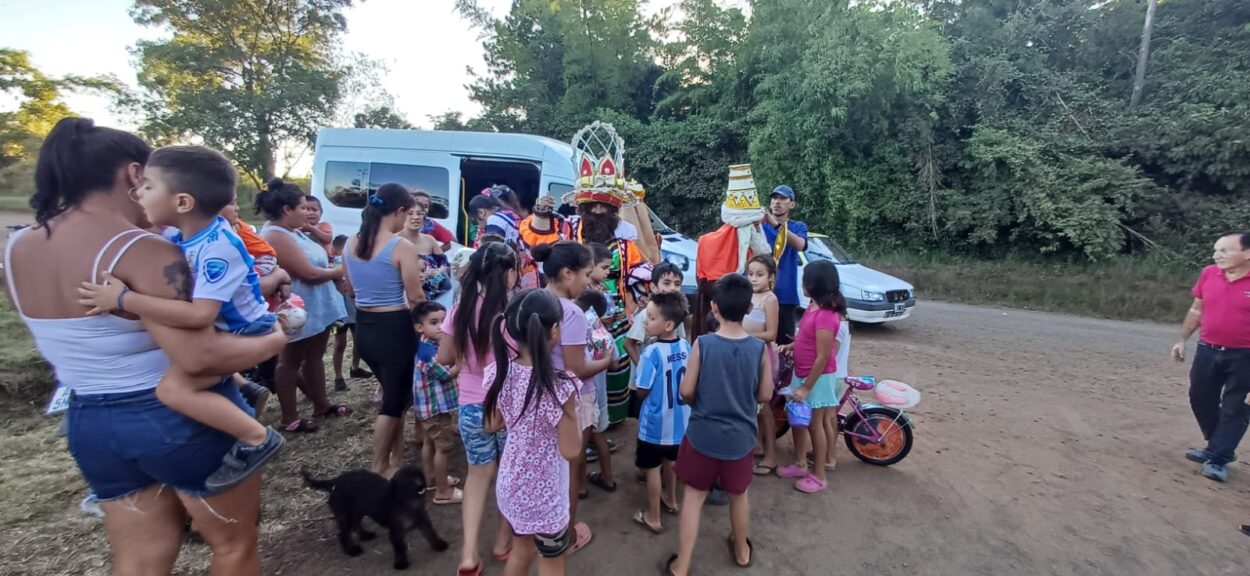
(824, 248)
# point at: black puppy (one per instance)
(397, 505)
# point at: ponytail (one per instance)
(563, 255)
(528, 319)
(389, 198)
(78, 158)
(485, 277)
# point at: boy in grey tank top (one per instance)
(723, 386)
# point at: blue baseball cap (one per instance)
(783, 190)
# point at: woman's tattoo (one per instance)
(178, 275)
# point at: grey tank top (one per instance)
(722, 419)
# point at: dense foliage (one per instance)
(976, 126)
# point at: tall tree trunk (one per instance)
(1143, 54)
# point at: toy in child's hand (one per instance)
(896, 394)
(291, 315)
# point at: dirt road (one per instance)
(1045, 445)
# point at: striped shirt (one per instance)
(223, 271)
(663, 416)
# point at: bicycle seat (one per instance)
(861, 382)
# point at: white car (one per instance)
(872, 297)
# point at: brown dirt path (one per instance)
(1045, 445)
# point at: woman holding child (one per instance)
(127, 444)
(436, 277)
(301, 365)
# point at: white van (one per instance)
(352, 163)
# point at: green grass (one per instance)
(24, 375)
(1124, 289)
(15, 204)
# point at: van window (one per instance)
(349, 184)
(558, 190)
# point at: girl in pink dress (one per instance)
(537, 404)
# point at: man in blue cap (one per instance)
(787, 238)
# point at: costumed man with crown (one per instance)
(727, 249)
(600, 194)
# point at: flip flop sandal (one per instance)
(502, 557)
(667, 568)
(336, 411)
(457, 496)
(582, 537)
(452, 481)
(733, 553)
(640, 518)
(474, 571)
(762, 470)
(300, 425)
(599, 480)
(670, 509)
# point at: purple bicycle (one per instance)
(878, 433)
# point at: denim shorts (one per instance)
(480, 448)
(124, 443)
(262, 326)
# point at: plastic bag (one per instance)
(799, 414)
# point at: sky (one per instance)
(425, 44)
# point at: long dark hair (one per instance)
(485, 276)
(276, 196)
(389, 199)
(824, 287)
(78, 158)
(563, 255)
(528, 320)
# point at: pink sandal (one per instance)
(792, 471)
(810, 485)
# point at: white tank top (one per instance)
(102, 354)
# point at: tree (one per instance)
(381, 117)
(550, 65)
(1143, 54)
(39, 105)
(245, 76)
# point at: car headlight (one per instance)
(681, 262)
(873, 296)
(852, 293)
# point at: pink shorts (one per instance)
(703, 472)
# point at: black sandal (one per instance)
(733, 553)
(667, 569)
(336, 411)
(599, 480)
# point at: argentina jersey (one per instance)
(663, 416)
(222, 270)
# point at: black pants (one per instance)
(388, 344)
(785, 323)
(1219, 381)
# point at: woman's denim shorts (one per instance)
(124, 443)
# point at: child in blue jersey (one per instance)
(662, 415)
(186, 187)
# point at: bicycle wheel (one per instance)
(894, 429)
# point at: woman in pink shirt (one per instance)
(487, 281)
(815, 368)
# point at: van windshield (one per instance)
(659, 226)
